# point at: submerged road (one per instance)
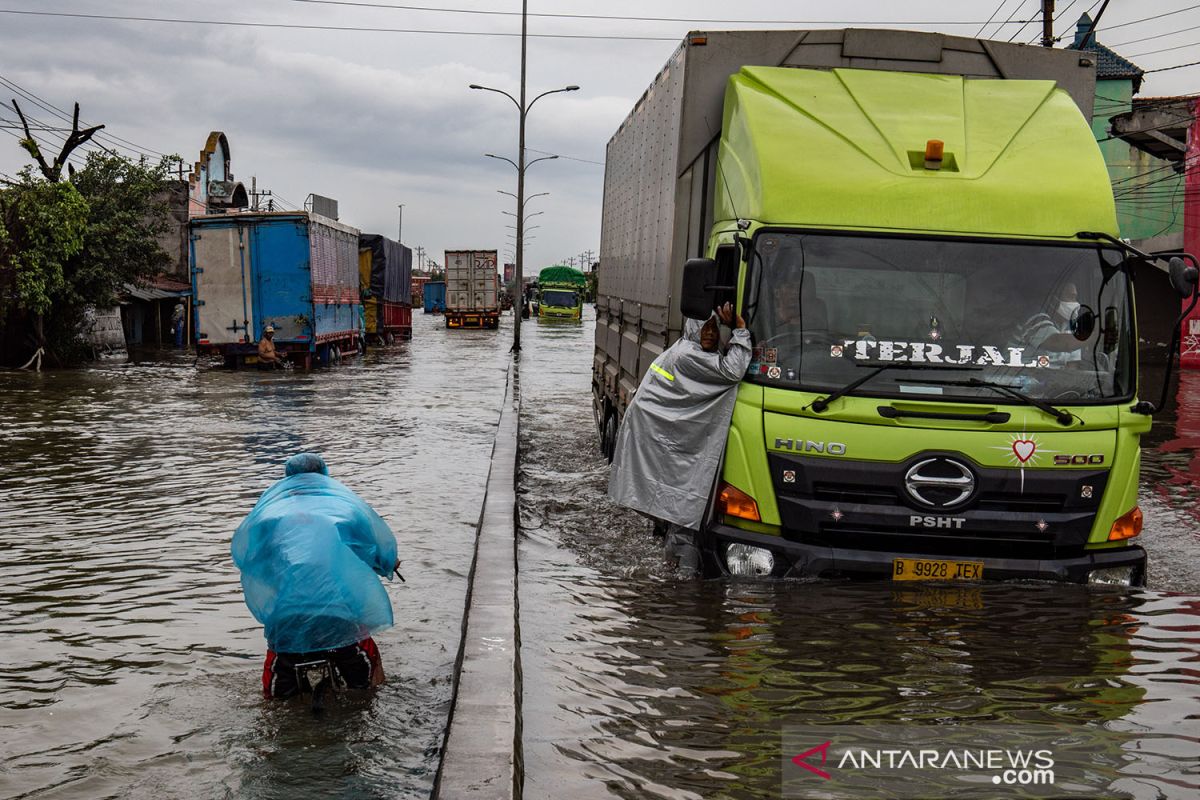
(130, 666)
(652, 687)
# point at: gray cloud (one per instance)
(379, 119)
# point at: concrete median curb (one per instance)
(482, 752)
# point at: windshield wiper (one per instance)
(1063, 417)
(822, 403)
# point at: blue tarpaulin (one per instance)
(309, 553)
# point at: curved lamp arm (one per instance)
(497, 91)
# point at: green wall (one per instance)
(1152, 204)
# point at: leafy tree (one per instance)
(42, 227)
(68, 245)
(126, 215)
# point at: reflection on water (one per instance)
(653, 687)
(130, 666)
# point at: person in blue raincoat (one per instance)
(310, 552)
(673, 433)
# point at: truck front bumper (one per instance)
(798, 559)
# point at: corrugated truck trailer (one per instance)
(472, 299)
(920, 233)
(385, 280)
(294, 271)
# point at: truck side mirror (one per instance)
(1083, 323)
(1110, 329)
(698, 297)
(1183, 277)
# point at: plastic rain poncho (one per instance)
(309, 553)
(674, 431)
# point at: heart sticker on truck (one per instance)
(1024, 449)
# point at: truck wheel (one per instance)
(608, 444)
(388, 338)
(335, 354)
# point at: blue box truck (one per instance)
(435, 297)
(294, 271)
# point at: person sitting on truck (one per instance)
(267, 357)
(309, 553)
(673, 433)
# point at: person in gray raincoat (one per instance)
(673, 434)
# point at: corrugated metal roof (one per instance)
(153, 293)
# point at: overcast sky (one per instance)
(375, 119)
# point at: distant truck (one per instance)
(385, 281)
(295, 271)
(472, 289)
(435, 297)
(920, 233)
(560, 291)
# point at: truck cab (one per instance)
(944, 373)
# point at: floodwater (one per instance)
(129, 666)
(641, 685)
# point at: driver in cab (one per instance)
(1059, 330)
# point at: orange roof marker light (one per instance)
(933, 153)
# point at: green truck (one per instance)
(920, 233)
(560, 293)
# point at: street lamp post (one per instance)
(523, 111)
(400, 226)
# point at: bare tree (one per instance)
(53, 172)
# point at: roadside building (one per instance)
(1151, 146)
(148, 311)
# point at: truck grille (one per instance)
(864, 505)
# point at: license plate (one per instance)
(921, 569)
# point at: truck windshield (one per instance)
(557, 298)
(1051, 321)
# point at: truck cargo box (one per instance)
(295, 271)
(385, 277)
(661, 181)
(472, 297)
(433, 295)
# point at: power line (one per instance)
(348, 28)
(1146, 19)
(1177, 66)
(989, 19)
(1164, 50)
(438, 32)
(559, 155)
(117, 141)
(1156, 36)
(19, 137)
(1018, 33)
(1011, 14)
(619, 18)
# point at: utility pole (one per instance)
(520, 164)
(519, 274)
(1047, 23)
(256, 195)
(420, 258)
(400, 226)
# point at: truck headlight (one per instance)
(1111, 576)
(745, 560)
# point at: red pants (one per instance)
(358, 666)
